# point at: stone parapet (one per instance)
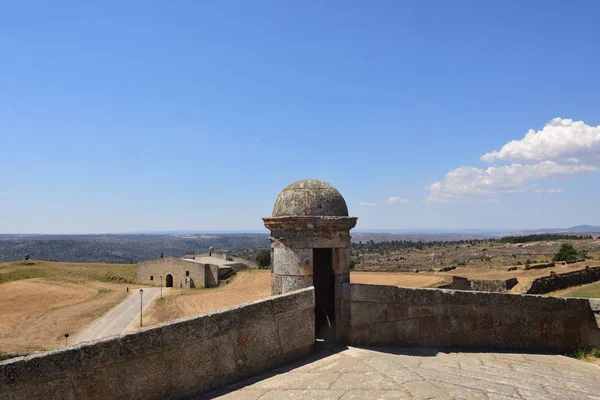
(174, 360)
(378, 315)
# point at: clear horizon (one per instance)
(406, 231)
(152, 117)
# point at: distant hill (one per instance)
(120, 248)
(573, 229)
(130, 248)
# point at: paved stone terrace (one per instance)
(399, 373)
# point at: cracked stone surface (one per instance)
(401, 373)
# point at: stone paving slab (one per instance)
(400, 373)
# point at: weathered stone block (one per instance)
(292, 261)
(13, 372)
(407, 329)
(191, 329)
(256, 343)
(504, 300)
(359, 313)
(461, 319)
(52, 390)
(430, 326)
(39, 366)
(372, 293)
(207, 362)
(151, 376)
(382, 332)
(253, 312)
(484, 319)
(397, 312)
(347, 291)
(425, 311)
(276, 285)
(291, 283)
(358, 337)
(297, 300)
(340, 279)
(341, 261)
(405, 296)
(296, 331)
(367, 313)
(139, 342)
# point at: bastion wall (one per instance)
(173, 360)
(480, 285)
(555, 282)
(383, 315)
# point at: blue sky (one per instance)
(127, 116)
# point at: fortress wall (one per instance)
(173, 360)
(493, 285)
(377, 315)
(555, 282)
(541, 266)
(481, 285)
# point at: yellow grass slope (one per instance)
(40, 301)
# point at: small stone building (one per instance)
(310, 241)
(200, 272)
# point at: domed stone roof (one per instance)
(310, 198)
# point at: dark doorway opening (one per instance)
(169, 281)
(323, 281)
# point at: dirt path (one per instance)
(117, 320)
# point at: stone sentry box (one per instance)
(310, 240)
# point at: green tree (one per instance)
(263, 258)
(566, 253)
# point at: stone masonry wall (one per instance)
(481, 285)
(554, 282)
(493, 285)
(202, 275)
(377, 315)
(173, 360)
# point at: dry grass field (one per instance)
(477, 256)
(589, 291)
(40, 300)
(247, 285)
(397, 279)
(524, 276)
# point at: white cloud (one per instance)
(366, 204)
(562, 148)
(561, 140)
(490, 201)
(466, 181)
(395, 199)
